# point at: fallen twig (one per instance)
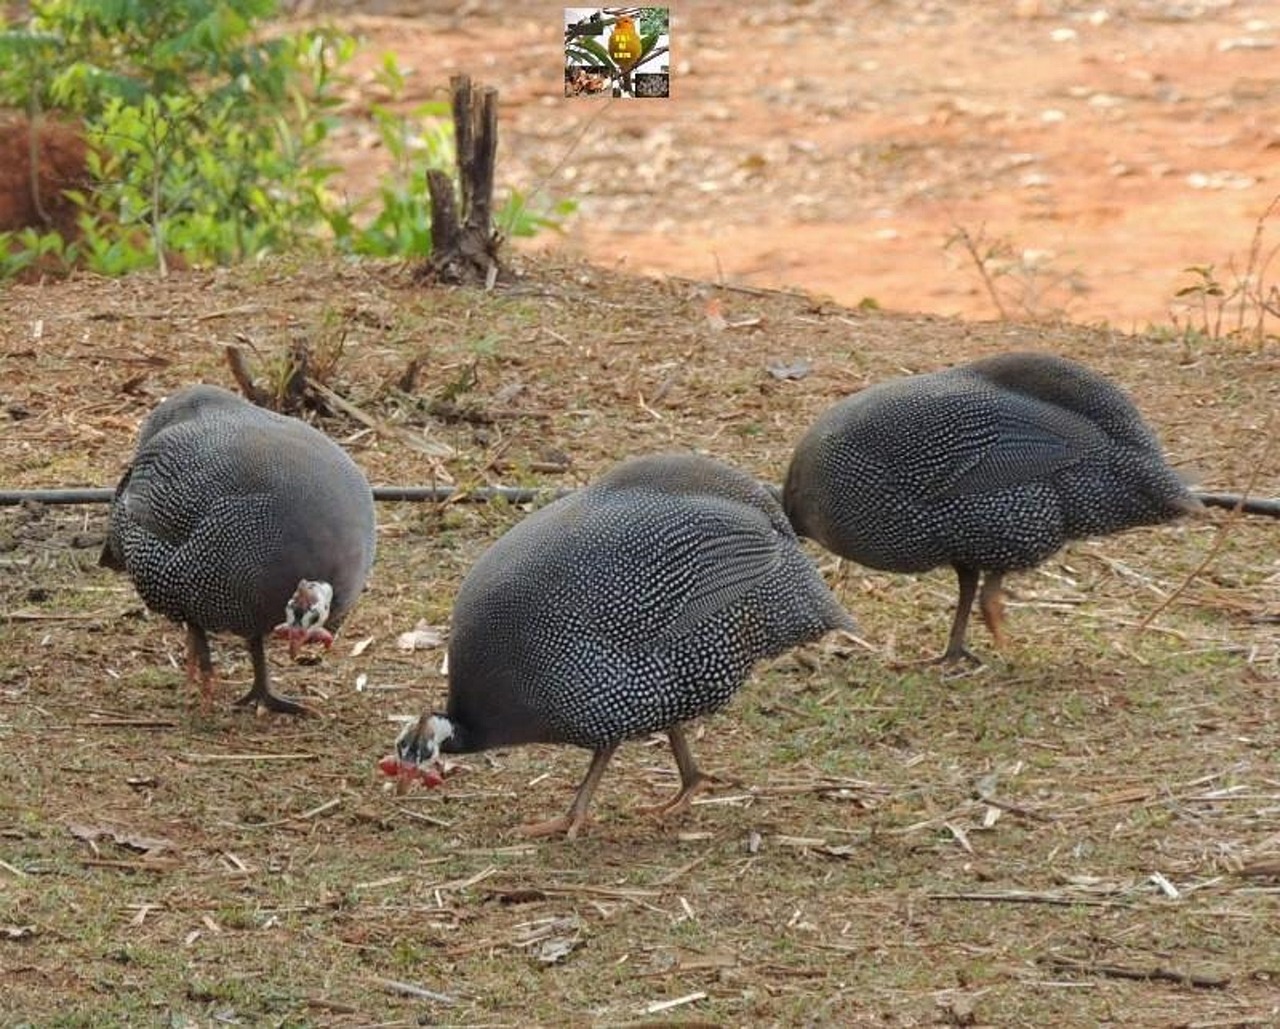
(410, 990)
(659, 1006)
(1262, 868)
(160, 865)
(314, 812)
(1026, 897)
(53, 616)
(671, 877)
(210, 759)
(984, 790)
(753, 291)
(428, 448)
(336, 1007)
(1204, 980)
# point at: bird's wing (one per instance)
(142, 496)
(173, 483)
(1020, 441)
(725, 563)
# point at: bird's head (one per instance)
(417, 753)
(305, 615)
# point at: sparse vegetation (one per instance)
(1023, 284)
(1245, 306)
(208, 139)
(205, 139)
(1010, 846)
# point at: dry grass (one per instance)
(1086, 829)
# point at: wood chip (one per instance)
(1026, 897)
(1204, 980)
(410, 990)
(659, 1006)
(961, 837)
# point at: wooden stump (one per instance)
(464, 245)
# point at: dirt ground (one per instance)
(1083, 831)
(1099, 148)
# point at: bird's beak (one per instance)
(405, 765)
(298, 636)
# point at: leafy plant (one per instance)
(30, 248)
(419, 141)
(1023, 279)
(205, 142)
(1241, 308)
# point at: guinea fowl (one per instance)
(989, 467)
(628, 608)
(230, 515)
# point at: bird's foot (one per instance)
(566, 825)
(264, 702)
(949, 658)
(683, 800)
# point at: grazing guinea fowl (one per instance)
(628, 608)
(989, 467)
(229, 516)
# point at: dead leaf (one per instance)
(554, 950)
(143, 844)
(360, 646)
(17, 932)
(421, 637)
(796, 369)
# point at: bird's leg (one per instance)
(956, 650)
(260, 696)
(991, 604)
(200, 665)
(576, 817)
(693, 780)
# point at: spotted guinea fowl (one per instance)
(627, 608)
(989, 467)
(230, 516)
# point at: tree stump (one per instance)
(464, 245)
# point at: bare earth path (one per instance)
(1081, 832)
(836, 146)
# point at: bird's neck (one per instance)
(461, 740)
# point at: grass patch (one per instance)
(889, 843)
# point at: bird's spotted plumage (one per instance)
(226, 508)
(988, 467)
(628, 608)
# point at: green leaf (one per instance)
(596, 53)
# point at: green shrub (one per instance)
(207, 139)
(418, 142)
(206, 142)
